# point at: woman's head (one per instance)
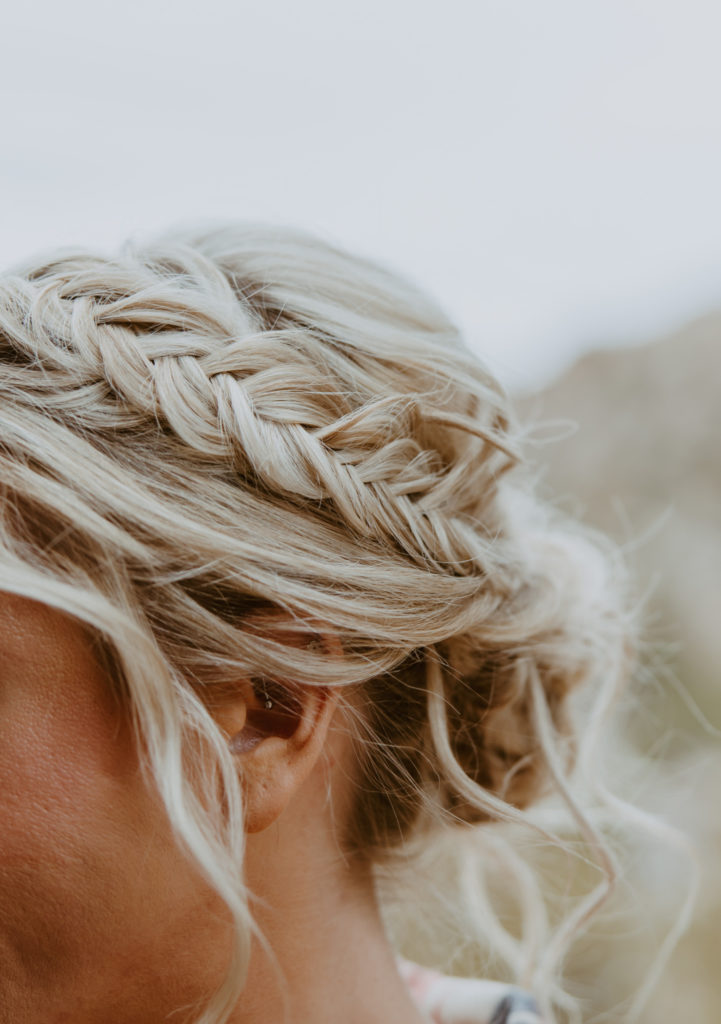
(248, 463)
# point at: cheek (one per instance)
(94, 895)
(71, 814)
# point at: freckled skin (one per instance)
(96, 900)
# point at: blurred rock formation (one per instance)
(641, 460)
(639, 456)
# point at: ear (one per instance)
(277, 734)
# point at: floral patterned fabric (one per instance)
(446, 1000)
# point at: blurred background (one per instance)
(550, 170)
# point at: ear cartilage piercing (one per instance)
(267, 700)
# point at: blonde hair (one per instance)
(233, 420)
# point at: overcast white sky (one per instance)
(550, 169)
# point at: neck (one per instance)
(333, 960)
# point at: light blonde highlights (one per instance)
(237, 420)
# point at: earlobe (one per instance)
(278, 747)
(276, 731)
